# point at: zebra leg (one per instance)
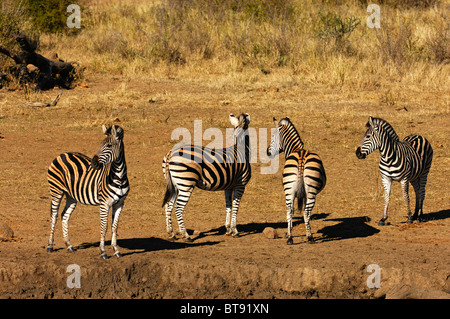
(168, 209)
(418, 208)
(289, 217)
(56, 201)
(228, 205)
(309, 205)
(104, 209)
(387, 182)
(423, 183)
(237, 195)
(180, 204)
(65, 216)
(116, 210)
(405, 191)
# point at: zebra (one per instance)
(303, 174)
(189, 166)
(101, 180)
(406, 161)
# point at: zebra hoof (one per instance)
(188, 239)
(311, 240)
(103, 256)
(381, 223)
(70, 249)
(49, 249)
(118, 255)
(235, 235)
(290, 241)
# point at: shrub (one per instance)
(49, 15)
(332, 27)
(396, 43)
(439, 44)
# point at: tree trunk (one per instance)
(51, 73)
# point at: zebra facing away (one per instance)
(406, 161)
(101, 180)
(189, 166)
(303, 174)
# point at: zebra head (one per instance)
(111, 147)
(284, 139)
(371, 140)
(240, 127)
(275, 146)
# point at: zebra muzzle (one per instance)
(359, 154)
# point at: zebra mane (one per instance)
(287, 122)
(385, 126)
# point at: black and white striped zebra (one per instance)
(406, 161)
(303, 174)
(101, 180)
(190, 166)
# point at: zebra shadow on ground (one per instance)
(255, 228)
(358, 227)
(348, 227)
(142, 245)
(442, 214)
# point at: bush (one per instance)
(396, 44)
(439, 44)
(49, 15)
(334, 27)
(12, 19)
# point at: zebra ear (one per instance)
(370, 121)
(118, 132)
(248, 117)
(234, 120)
(113, 130)
(275, 121)
(104, 128)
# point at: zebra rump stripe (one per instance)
(189, 166)
(101, 181)
(406, 161)
(303, 173)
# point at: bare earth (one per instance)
(414, 259)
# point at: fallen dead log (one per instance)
(40, 104)
(51, 72)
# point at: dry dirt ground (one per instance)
(414, 259)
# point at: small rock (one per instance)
(32, 68)
(6, 233)
(83, 84)
(270, 233)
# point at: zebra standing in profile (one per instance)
(303, 174)
(404, 161)
(190, 166)
(101, 180)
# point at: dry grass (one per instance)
(259, 43)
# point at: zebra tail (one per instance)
(300, 200)
(301, 191)
(170, 189)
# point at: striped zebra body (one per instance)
(303, 173)
(100, 181)
(406, 161)
(190, 166)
